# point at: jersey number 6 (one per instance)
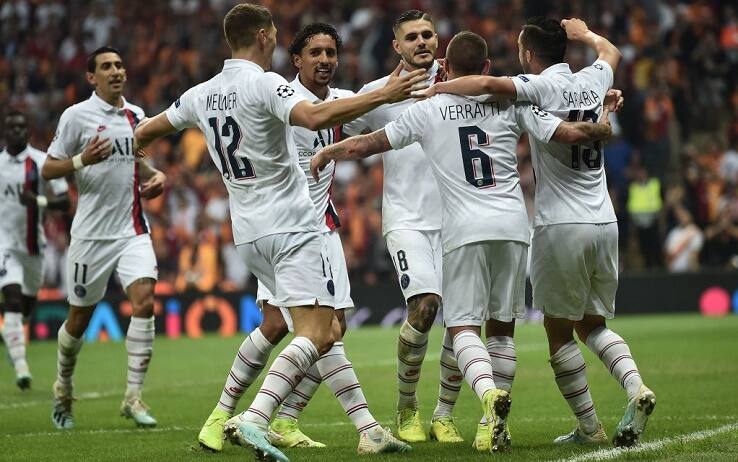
(477, 164)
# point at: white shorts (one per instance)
(293, 267)
(418, 260)
(339, 272)
(90, 264)
(574, 269)
(482, 281)
(18, 267)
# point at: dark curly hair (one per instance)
(306, 33)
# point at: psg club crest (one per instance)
(404, 280)
(331, 287)
(285, 91)
(80, 291)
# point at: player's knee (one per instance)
(422, 310)
(13, 298)
(273, 326)
(340, 316)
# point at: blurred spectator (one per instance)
(644, 206)
(683, 244)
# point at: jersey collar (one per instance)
(104, 106)
(303, 89)
(236, 63)
(559, 68)
(21, 157)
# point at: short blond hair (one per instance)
(242, 22)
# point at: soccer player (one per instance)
(411, 224)
(244, 112)
(94, 141)
(575, 253)
(25, 195)
(314, 52)
(471, 148)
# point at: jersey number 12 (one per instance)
(238, 169)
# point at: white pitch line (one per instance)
(608, 454)
(103, 431)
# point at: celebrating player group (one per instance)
(454, 220)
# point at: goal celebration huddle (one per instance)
(453, 217)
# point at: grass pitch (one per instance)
(690, 362)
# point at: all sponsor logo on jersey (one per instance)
(285, 91)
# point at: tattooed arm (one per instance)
(357, 147)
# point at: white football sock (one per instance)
(15, 341)
(615, 354)
(571, 377)
(296, 401)
(504, 361)
(66, 357)
(287, 370)
(451, 378)
(411, 347)
(338, 373)
(140, 345)
(250, 359)
(474, 363)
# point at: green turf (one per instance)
(690, 362)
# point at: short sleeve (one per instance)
(600, 73)
(530, 87)
(278, 96)
(181, 114)
(540, 124)
(409, 127)
(360, 124)
(66, 142)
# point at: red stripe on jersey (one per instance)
(438, 75)
(331, 215)
(132, 119)
(32, 215)
(139, 222)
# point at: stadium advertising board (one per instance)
(194, 314)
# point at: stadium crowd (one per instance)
(672, 166)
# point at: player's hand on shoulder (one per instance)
(425, 93)
(27, 198)
(97, 150)
(399, 88)
(614, 100)
(154, 186)
(575, 28)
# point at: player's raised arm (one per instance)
(577, 31)
(332, 113)
(356, 147)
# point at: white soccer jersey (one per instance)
(570, 180)
(410, 197)
(244, 112)
(471, 146)
(109, 204)
(21, 227)
(308, 143)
